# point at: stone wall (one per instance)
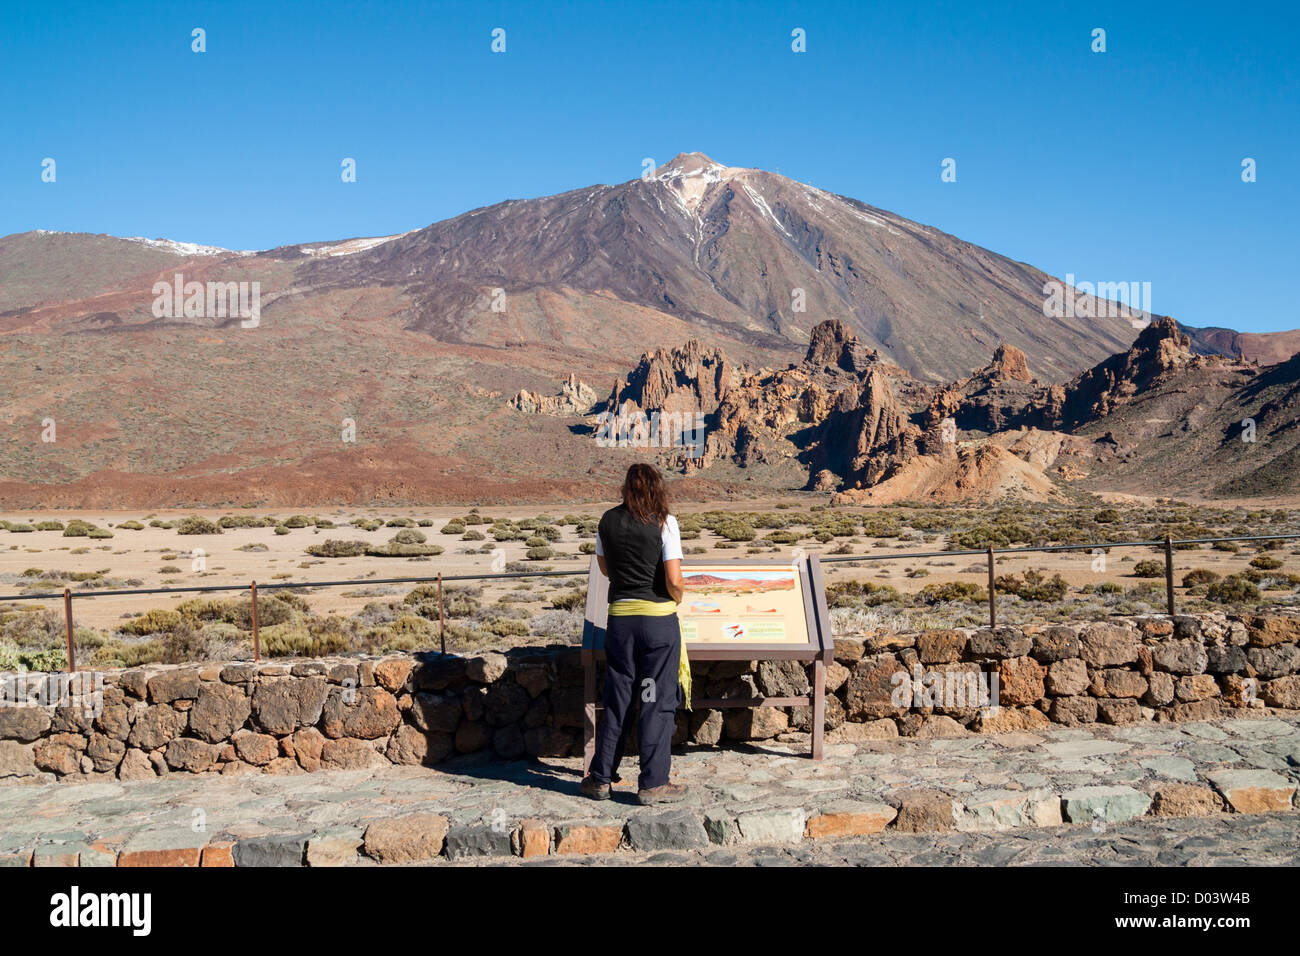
(291, 716)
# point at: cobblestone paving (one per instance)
(1224, 840)
(1064, 795)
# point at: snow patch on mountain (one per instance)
(349, 246)
(761, 203)
(187, 249)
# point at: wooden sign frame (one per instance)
(819, 650)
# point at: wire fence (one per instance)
(1167, 544)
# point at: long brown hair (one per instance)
(644, 494)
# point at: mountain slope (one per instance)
(726, 249)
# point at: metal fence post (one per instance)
(257, 641)
(993, 608)
(67, 617)
(1169, 573)
(442, 633)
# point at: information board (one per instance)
(751, 604)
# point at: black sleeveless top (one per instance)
(633, 555)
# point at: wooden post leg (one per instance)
(588, 712)
(819, 707)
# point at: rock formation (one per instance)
(1159, 349)
(854, 423)
(575, 398)
(689, 379)
(833, 344)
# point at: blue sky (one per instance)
(1115, 166)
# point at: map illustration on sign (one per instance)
(731, 603)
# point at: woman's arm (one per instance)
(673, 578)
(671, 555)
(600, 563)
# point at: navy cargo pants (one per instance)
(641, 658)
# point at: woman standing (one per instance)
(639, 548)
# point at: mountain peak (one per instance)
(690, 164)
(689, 176)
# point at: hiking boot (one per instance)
(668, 793)
(594, 788)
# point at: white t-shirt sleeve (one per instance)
(600, 550)
(671, 537)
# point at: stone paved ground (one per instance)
(1271, 839)
(1171, 793)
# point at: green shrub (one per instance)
(783, 537)
(48, 660)
(539, 554)
(58, 525)
(736, 531)
(131, 525)
(1233, 589)
(335, 548)
(127, 654)
(861, 594)
(273, 607)
(407, 543)
(953, 591)
(505, 627)
(1035, 586)
(186, 643)
(197, 524)
(570, 600)
(1199, 576)
(156, 621)
(300, 639)
(1148, 568)
(243, 521)
(1266, 563)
